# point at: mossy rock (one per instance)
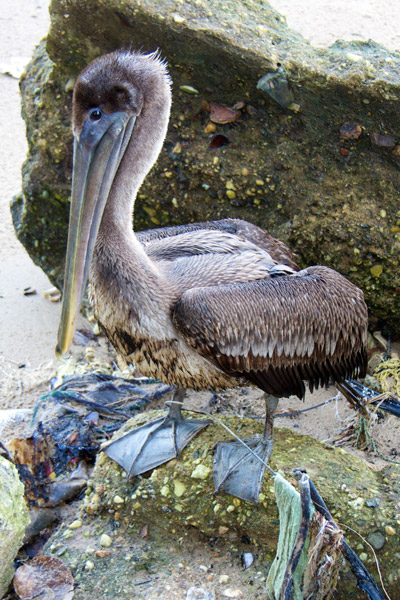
(334, 200)
(14, 518)
(180, 495)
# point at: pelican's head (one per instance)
(114, 97)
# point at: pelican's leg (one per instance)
(156, 442)
(236, 470)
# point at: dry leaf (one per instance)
(45, 578)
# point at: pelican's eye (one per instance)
(95, 114)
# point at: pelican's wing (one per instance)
(280, 331)
(167, 243)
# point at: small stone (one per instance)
(178, 18)
(363, 556)
(105, 541)
(230, 185)
(384, 141)
(223, 579)
(231, 194)
(200, 472)
(102, 553)
(179, 488)
(390, 530)
(344, 151)
(350, 131)
(376, 539)
(222, 529)
(373, 502)
(376, 270)
(89, 565)
(118, 500)
(210, 128)
(165, 491)
(357, 503)
(75, 524)
(230, 593)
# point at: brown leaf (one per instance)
(223, 114)
(44, 577)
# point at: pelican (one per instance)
(204, 306)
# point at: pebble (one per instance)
(231, 194)
(200, 472)
(223, 579)
(357, 503)
(105, 541)
(195, 593)
(376, 539)
(350, 131)
(75, 524)
(390, 530)
(102, 553)
(179, 488)
(376, 270)
(118, 500)
(373, 502)
(230, 593)
(384, 141)
(210, 128)
(89, 565)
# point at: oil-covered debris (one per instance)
(44, 577)
(68, 426)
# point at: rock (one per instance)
(14, 518)
(307, 203)
(350, 131)
(337, 475)
(386, 142)
(376, 539)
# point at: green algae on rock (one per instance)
(171, 498)
(326, 200)
(14, 518)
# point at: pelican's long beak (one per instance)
(97, 155)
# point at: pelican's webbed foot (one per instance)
(236, 470)
(156, 442)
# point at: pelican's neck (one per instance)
(141, 153)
